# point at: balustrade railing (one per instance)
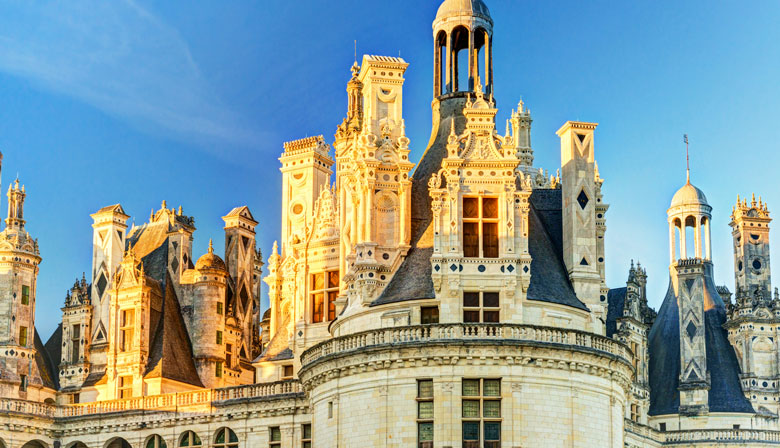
(444, 332)
(721, 435)
(173, 401)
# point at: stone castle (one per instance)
(457, 302)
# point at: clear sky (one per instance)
(135, 102)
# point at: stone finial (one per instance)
(211, 246)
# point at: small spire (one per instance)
(180, 211)
(452, 127)
(211, 246)
(753, 200)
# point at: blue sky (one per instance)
(134, 102)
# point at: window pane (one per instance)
(333, 279)
(425, 431)
(318, 282)
(471, 299)
(332, 304)
(471, 239)
(316, 315)
(276, 435)
(306, 444)
(429, 315)
(492, 388)
(425, 389)
(307, 431)
(471, 409)
(470, 388)
(234, 438)
(490, 317)
(470, 432)
(425, 409)
(490, 208)
(471, 317)
(471, 208)
(221, 436)
(490, 299)
(492, 409)
(492, 431)
(490, 240)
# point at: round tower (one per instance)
(208, 318)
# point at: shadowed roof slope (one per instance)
(725, 393)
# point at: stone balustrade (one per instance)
(721, 435)
(165, 402)
(465, 332)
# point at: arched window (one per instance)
(189, 438)
(155, 441)
(226, 438)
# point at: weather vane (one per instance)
(687, 158)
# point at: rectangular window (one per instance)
(662, 427)
(25, 295)
(23, 383)
(75, 343)
(274, 437)
(481, 307)
(287, 372)
(229, 355)
(23, 336)
(125, 387)
(330, 409)
(635, 351)
(429, 315)
(480, 227)
(481, 413)
(218, 369)
(219, 337)
(76, 398)
(219, 308)
(306, 436)
(324, 291)
(126, 330)
(634, 412)
(425, 413)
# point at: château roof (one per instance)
(725, 393)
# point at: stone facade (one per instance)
(458, 302)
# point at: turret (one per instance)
(750, 231)
(18, 294)
(74, 365)
(207, 331)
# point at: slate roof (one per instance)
(616, 299)
(725, 394)
(46, 367)
(549, 277)
(278, 347)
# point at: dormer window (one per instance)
(480, 227)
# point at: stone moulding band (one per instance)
(498, 333)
